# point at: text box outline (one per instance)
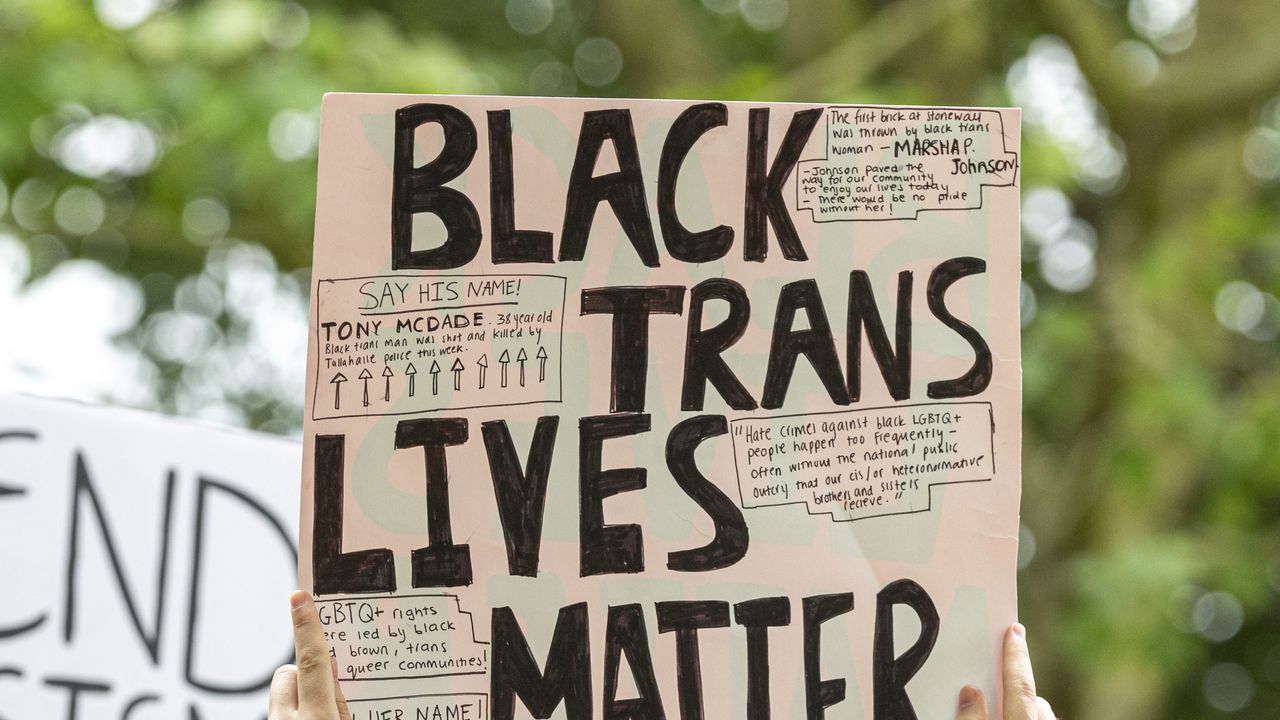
(457, 601)
(315, 390)
(813, 214)
(483, 697)
(929, 488)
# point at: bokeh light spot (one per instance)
(530, 17)
(126, 14)
(205, 220)
(765, 15)
(1227, 687)
(1068, 262)
(79, 210)
(1169, 24)
(286, 25)
(1140, 62)
(1056, 97)
(293, 135)
(1262, 153)
(597, 61)
(552, 78)
(1217, 616)
(1238, 305)
(106, 145)
(723, 7)
(31, 202)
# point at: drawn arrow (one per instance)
(386, 393)
(542, 364)
(520, 358)
(457, 373)
(483, 364)
(503, 359)
(337, 381)
(365, 375)
(435, 378)
(410, 370)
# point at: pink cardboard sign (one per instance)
(650, 409)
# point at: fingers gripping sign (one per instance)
(308, 690)
(972, 705)
(284, 693)
(1020, 699)
(1019, 684)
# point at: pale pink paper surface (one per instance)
(961, 549)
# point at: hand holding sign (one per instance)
(1020, 699)
(308, 690)
(631, 382)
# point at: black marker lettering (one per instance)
(729, 544)
(623, 190)
(685, 618)
(205, 486)
(979, 375)
(84, 487)
(522, 495)
(702, 361)
(335, 571)
(509, 244)
(705, 245)
(631, 308)
(891, 672)
(135, 703)
(567, 677)
(764, 203)
(627, 634)
(821, 694)
(787, 345)
(607, 548)
(9, 491)
(422, 189)
(74, 687)
(757, 616)
(441, 563)
(895, 364)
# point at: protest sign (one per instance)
(650, 409)
(146, 564)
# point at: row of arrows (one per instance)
(504, 360)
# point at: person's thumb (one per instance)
(973, 706)
(315, 679)
(1019, 683)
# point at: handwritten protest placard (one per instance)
(650, 409)
(144, 562)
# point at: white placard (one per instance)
(146, 561)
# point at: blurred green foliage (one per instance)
(1152, 257)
